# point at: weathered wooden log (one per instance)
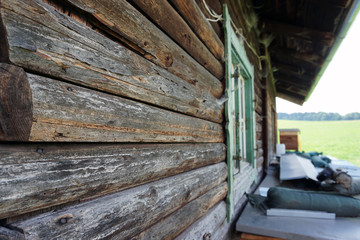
(7, 234)
(215, 25)
(62, 112)
(125, 21)
(15, 101)
(53, 44)
(288, 55)
(336, 3)
(290, 96)
(206, 226)
(196, 19)
(161, 12)
(177, 222)
(309, 34)
(225, 231)
(127, 213)
(37, 176)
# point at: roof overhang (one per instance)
(306, 34)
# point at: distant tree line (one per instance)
(318, 116)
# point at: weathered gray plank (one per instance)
(177, 222)
(7, 234)
(243, 181)
(206, 226)
(196, 19)
(64, 112)
(56, 45)
(127, 213)
(37, 176)
(225, 231)
(164, 15)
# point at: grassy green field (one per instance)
(340, 139)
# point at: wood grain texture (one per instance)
(324, 38)
(15, 103)
(243, 181)
(207, 225)
(225, 231)
(4, 47)
(127, 213)
(177, 222)
(215, 25)
(37, 176)
(164, 15)
(124, 20)
(248, 236)
(196, 19)
(8, 234)
(66, 49)
(63, 112)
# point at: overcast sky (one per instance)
(339, 88)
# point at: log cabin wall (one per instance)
(110, 123)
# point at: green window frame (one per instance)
(239, 81)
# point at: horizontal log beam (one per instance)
(293, 64)
(293, 80)
(123, 19)
(40, 109)
(8, 234)
(298, 90)
(206, 225)
(125, 214)
(304, 79)
(71, 51)
(164, 15)
(336, 3)
(292, 70)
(293, 90)
(313, 35)
(177, 222)
(215, 25)
(97, 169)
(292, 97)
(286, 54)
(196, 19)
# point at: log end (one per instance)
(16, 111)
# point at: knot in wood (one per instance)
(169, 60)
(40, 151)
(207, 236)
(64, 219)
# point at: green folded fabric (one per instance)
(342, 206)
(318, 162)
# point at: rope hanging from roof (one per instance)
(218, 17)
(238, 31)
